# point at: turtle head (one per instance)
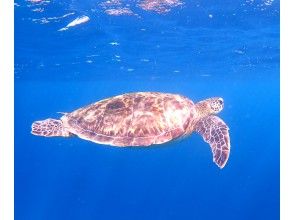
(210, 106)
(215, 104)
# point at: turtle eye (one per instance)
(221, 102)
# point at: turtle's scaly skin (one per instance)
(134, 119)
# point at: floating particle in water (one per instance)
(89, 61)
(239, 51)
(93, 55)
(38, 10)
(114, 43)
(117, 59)
(144, 60)
(176, 71)
(130, 69)
(268, 2)
(210, 16)
(143, 29)
(117, 56)
(41, 65)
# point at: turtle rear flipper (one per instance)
(215, 132)
(49, 128)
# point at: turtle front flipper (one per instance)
(49, 128)
(215, 132)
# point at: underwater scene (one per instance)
(147, 109)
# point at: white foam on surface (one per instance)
(75, 22)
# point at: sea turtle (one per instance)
(143, 119)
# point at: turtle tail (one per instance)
(49, 128)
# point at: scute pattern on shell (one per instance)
(134, 119)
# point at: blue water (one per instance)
(199, 49)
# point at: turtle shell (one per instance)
(134, 119)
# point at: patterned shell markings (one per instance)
(135, 119)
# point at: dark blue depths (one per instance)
(233, 54)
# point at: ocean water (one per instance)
(71, 53)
